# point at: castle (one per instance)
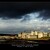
(33, 34)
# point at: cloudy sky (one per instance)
(24, 16)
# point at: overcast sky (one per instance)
(22, 16)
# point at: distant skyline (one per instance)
(22, 16)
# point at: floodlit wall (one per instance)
(45, 34)
(40, 35)
(32, 33)
(19, 35)
(49, 34)
(33, 36)
(36, 33)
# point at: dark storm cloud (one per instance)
(12, 10)
(25, 18)
(45, 14)
(16, 10)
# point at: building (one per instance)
(19, 35)
(23, 35)
(49, 34)
(32, 33)
(40, 34)
(36, 33)
(33, 36)
(27, 36)
(45, 34)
